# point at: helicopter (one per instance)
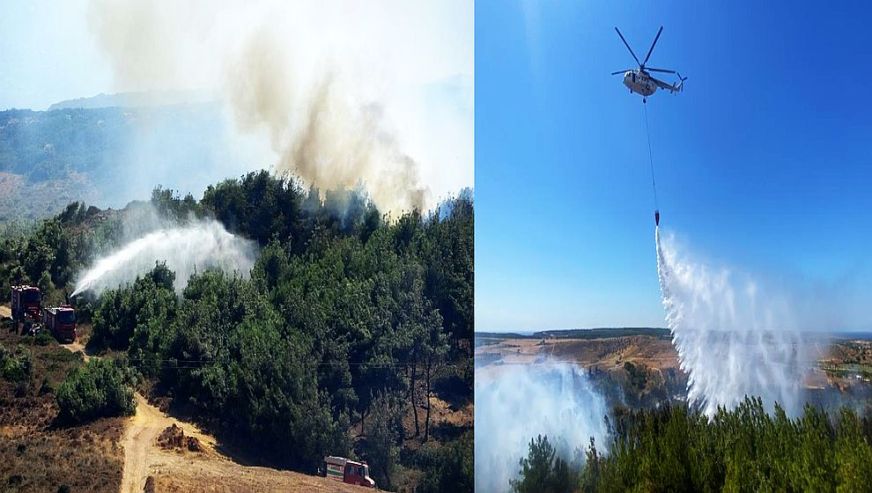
(640, 80)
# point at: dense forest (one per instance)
(675, 448)
(350, 320)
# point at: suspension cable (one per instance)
(650, 157)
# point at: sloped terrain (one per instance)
(181, 470)
(36, 455)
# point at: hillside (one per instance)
(35, 453)
(108, 155)
(350, 336)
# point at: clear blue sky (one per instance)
(764, 163)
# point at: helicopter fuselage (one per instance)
(639, 82)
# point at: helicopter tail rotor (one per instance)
(681, 80)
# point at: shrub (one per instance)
(43, 338)
(15, 366)
(100, 388)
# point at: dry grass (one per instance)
(35, 454)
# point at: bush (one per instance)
(15, 366)
(99, 389)
(43, 338)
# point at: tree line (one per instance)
(676, 448)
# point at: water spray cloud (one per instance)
(733, 339)
(515, 403)
(185, 249)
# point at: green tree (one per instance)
(542, 471)
(453, 468)
(138, 311)
(100, 388)
(853, 455)
(381, 450)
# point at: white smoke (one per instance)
(515, 403)
(733, 338)
(185, 249)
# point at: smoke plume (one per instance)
(337, 145)
(733, 338)
(340, 103)
(515, 403)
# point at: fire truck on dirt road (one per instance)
(25, 304)
(61, 322)
(27, 307)
(348, 471)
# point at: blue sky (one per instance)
(763, 164)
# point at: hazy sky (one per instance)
(48, 54)
(763, 163)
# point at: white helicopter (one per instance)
(640, 81)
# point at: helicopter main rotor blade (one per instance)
(627, 44)
(621, 71)
(659, 70)
(652, 46)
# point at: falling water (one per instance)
(185, 250)
(515, 403)
(732, 339)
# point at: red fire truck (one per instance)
(348, 471)
(61, 322)
(25, 304)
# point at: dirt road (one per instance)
(139, 439)
(76, 347)
(209, 470)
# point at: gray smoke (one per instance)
(338, 144)
(321, 126)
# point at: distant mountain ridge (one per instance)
(141, 99)
(82, 150)
(592, 333)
